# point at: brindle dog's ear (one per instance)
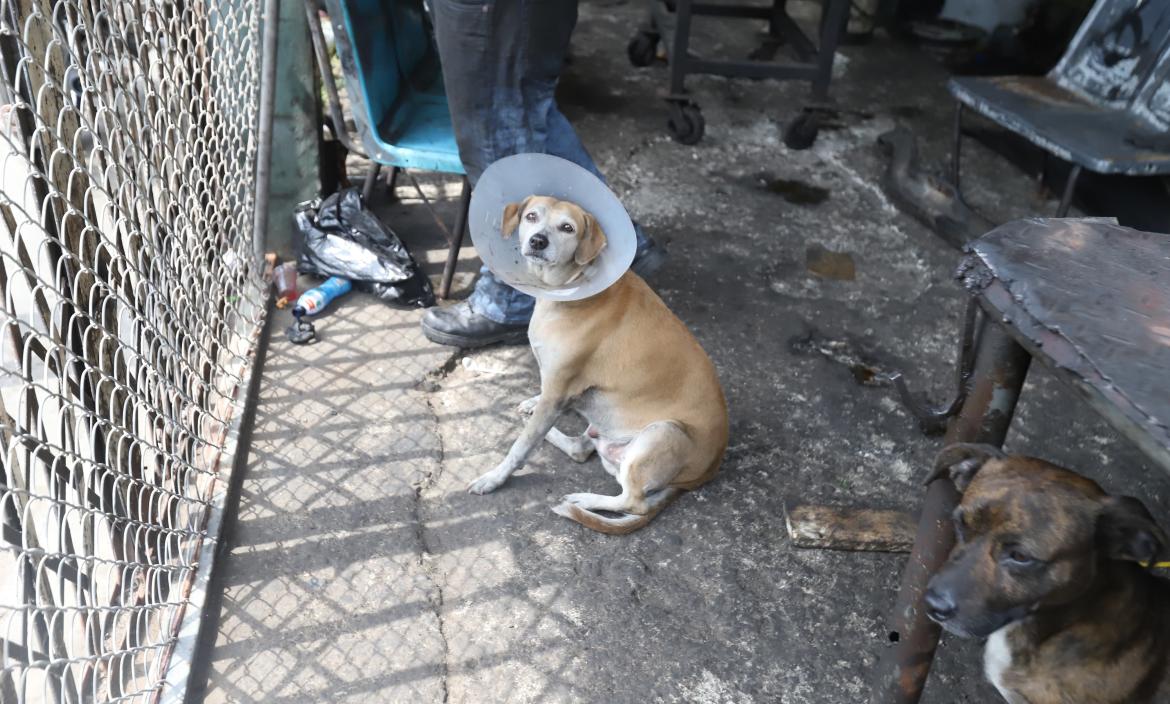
(592, 242)
(1127, 531)
(961, 461)
(512, 213)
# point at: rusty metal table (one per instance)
(1090, 300)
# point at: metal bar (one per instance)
(742, 11)
(370, 182)
(679, 61)
(430, 209)
(933, 420)
(836, 14)
(1070, 187)
(956, 146)
(1001, 366)
(195, 633)
(456, 241)
(676, 29)
(801, 44)
(752, 69)
(264, 131)
(318, 36)
(392, 182)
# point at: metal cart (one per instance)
(670, 23)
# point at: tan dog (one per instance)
(623, 361)
(1046, 568)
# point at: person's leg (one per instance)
(500, 77)
(501, 62)
(499, 302)
(563, 141)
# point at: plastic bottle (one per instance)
(284, 277)
(314, 300)
(311, 302)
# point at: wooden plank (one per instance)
(856, 529)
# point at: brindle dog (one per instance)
(1046, 567)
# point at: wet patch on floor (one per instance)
(829, 264)
(793, 190)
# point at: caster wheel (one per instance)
(802, 132)
(643, 48)
(686, 123)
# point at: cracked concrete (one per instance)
(426, 554)
(362, 571)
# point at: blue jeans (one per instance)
(501, 62)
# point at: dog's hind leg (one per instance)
(578, 447)
(648, 464)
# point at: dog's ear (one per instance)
(512, 213)
(1127, 531)
(591, 243)
(961, 461)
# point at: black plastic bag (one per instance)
(342, 238)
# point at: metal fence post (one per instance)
(271, 20)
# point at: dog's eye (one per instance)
(567, 227)
(531, 216)
(1016, 556)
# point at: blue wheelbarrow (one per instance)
(392, 73)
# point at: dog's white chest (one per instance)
(997, 658)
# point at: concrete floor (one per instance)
(361, 571)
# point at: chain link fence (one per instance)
(131, 300)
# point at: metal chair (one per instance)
(1106, 105)
(393, 77)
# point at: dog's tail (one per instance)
(626, 522)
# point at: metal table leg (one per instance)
(1001, 366)
(370, 182)
(392, 184)
(1070, 188)
(679, 56)
(836, 17)
(456, 242)
(956, 148)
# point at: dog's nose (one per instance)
(940, 607)
(538, 241)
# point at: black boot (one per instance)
(649, 258)
(459, 326)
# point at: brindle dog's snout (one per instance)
(940, 605)
(538, 241)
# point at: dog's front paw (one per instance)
(488, 482)
(578, 499)
(527, 406)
